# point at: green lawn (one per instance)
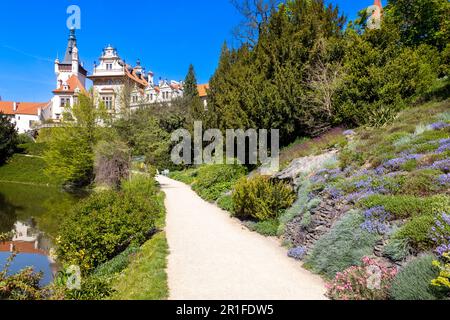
(25, 169)
(145, 278)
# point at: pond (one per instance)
(34, 214)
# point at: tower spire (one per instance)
(70, 45)
(378, 3)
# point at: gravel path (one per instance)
(213, 257)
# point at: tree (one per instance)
(190, 84)
(70, 154)
(8, 138)
(421, 22)
(112, 163)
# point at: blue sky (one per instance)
(165, 35)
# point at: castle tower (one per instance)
(70, 79)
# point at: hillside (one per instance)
(367, 199)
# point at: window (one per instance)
(108, 101)
(110, 82)
(109, 66)
(65, 101)
(135, 99)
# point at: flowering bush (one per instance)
(371, 281)
(297, 253)
(443, 281)
(376, 220)
(440, 234)
(444, 180)
(439, 125)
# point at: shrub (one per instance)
(105, 224)
(34, 149)
(297, 253)
(23, 285)
(409, 206)
(261, 198)
(214, 180)
(117, 264)
(370, 281)
(226, 203)
(344, 246)
(266, 228)
(8, 138)
(397, 249)
(421, 182)
(443, 280)
(417, 232)
(413, 282)
(187, 176)
(440, 233)
(112, 163)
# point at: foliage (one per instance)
(112, 163)
(268, 228)
(105, 224)
(443, 280)
(397, 249)
(187, 176)
(117, 264)
(417, 232)
(226, 203)
(8, 138)
(409, 206)
(344, 246)
(23, 285)
(33, 148)
(359, 282)
(297, 253)
(214, 180)
(70, 153)
(261, 198)
(413, 282)
(146, 277)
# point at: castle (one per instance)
(113, 83)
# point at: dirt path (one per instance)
(215, 257)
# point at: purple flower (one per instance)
(356, 196)
(297, 253)
(443, 147)
(349, 133)
(440, 233)
(334, 193)
(363, 184)
(444, 179)
(443, 165)
(376, 220)
(396, 163)
(439, 125)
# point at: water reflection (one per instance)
(34, 215)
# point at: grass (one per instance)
(25, 169)
(145, 278)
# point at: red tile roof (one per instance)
(26, 108)
(73, 83)
(203, 90)
(21, 247)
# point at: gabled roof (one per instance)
(73, 84)
(203, 90)
(133, 76)
(25, 108)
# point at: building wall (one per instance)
(23, 122)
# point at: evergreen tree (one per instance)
(8, 138)
(190, 84)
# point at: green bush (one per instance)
(214, 180)
(268, 228)
(413, 282)
(344, 246)
(226, 203)
(397, 249)
(261, 198)
(34, 149)
(406, 206)
(105, 224)
(117, 264)
(421, 182)
(417, 232)
(187, 176)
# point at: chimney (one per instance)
(15, 106)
